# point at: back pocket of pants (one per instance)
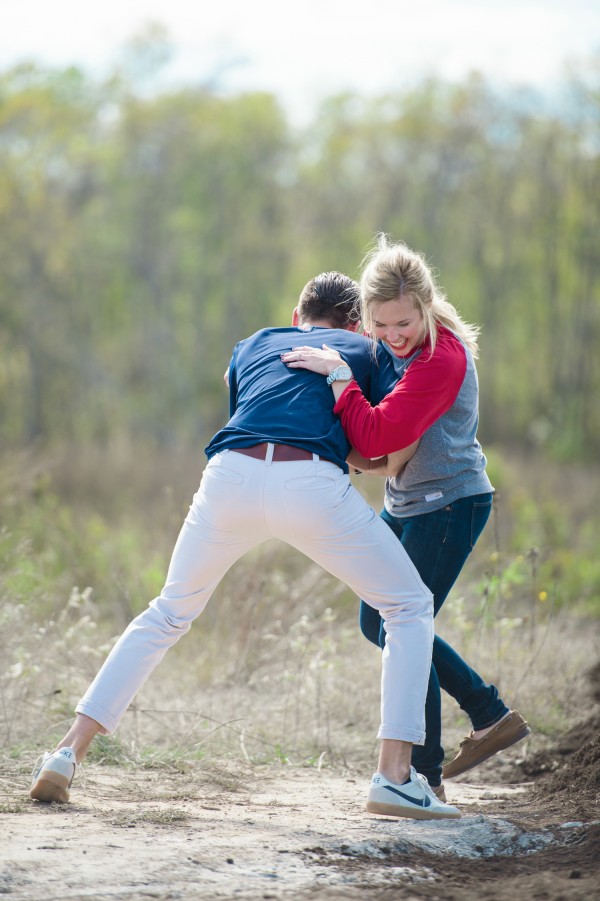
(310, 483)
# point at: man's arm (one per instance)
(390, 465)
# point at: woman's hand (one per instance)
(321, 361)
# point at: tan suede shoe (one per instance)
(440, 792)
(474, 751)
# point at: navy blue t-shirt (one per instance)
(269, 402)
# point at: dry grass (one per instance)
(276, 669)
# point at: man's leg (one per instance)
(320, 513)
(80, 736)
(222, 524)
(394, 760)
(336, 528)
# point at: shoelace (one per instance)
(81, 773)
(427, 788)
(39, 763)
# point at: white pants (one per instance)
(312, 506)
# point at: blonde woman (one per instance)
(440, 502)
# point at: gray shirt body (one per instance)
(449, 462)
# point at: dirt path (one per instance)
(237, 831)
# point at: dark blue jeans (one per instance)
(438, 544)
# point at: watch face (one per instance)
(341, 373)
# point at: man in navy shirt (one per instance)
(278, 470)
(266, 404)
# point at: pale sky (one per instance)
(314, 48)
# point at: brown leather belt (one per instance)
(282, 453)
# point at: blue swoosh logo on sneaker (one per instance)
(424, 803)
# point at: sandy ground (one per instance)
(232, 830)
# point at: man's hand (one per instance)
(226, 376)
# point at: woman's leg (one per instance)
(439, 543)
(479, 700)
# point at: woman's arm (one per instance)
(425, 392)
(389, 465)
(322, 361)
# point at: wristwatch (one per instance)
(341, 373)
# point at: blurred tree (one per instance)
(145, 232)
(48, 133)
(142, 239)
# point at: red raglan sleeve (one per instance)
(427, 390)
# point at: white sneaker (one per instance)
(53, 775)
(415, 799)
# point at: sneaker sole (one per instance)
(465, 769)
(50, 787)
(416, 813)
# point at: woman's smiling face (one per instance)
(399, 325)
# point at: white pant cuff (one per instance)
(108, 722)
(398, 733)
